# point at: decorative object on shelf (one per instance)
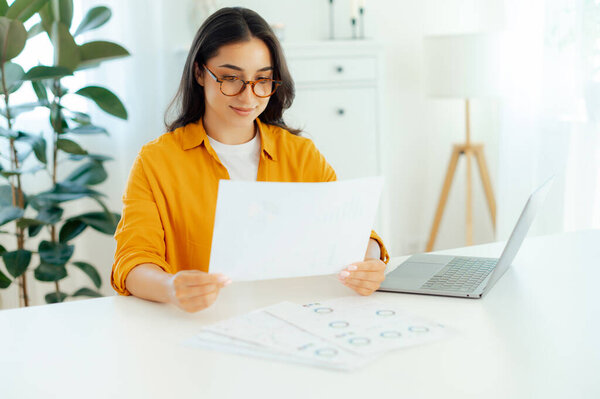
(31, 213)
(463, 66)
(353, 19)
(361, 19)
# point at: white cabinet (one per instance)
(336, 103)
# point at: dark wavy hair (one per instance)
(225, 26)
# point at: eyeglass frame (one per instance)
(245, 83)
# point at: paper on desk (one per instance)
(360, 325)
(258, 333)
(267, 230)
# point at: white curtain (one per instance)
(551, 114)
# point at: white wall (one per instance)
(418, 131)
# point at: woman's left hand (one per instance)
(363, 277)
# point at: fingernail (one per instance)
(222, 279)
(351, 267)
(344, 274)
(226, 283)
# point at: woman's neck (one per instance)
(228, 134)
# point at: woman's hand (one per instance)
(363, 277)
(193, 290)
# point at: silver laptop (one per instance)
(462, 276)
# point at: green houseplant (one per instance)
(25, 215)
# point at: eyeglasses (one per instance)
(232, 86)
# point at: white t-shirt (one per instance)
(240, 160)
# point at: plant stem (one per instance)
(57, 99)
(17, 192)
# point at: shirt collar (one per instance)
(193, 135)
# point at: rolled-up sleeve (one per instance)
(140, 235)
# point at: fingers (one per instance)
(364, 277)
(193, 290)
(197, 278)
(362, 290)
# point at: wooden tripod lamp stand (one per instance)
(462, 66)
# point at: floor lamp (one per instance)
(462, 66)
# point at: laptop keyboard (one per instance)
(462, 274)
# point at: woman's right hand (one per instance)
(193, 290)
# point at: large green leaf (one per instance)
(93, 53)
(34, 230)
(24, 9)
(90, 173)
(55, 297)
(6, 196)
(94, 18)
(105, 99)
(12, 38)
(55, 253)
(40, 91)
(70, 146)
(9, 213)
(49, 272)
(50, 215)
(8, 133)
(13, 73)
(88, 129)
(37, 143)
(64, 191)
(66, 51)
(3, 7)
(57, 120)
(79, 117)
(103, 222)
(90, 271)
(35, 30)
(40, 72)
(95, 157)
(26, 222)
(16, 261)
(2, 250)
(57, 11)
(4, 281)
(87, 292)
(71, 229)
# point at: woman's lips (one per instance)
(243, 111)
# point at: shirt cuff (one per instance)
(383, 253)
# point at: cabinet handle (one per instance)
(339, 69)
(341, 111)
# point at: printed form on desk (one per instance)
(268, 230)
(342, 334)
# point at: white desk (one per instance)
(535, 335)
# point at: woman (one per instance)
(234, 73)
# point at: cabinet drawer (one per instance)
(323, 70)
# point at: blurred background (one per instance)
(383, 96)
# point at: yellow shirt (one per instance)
(171, 196)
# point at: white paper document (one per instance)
(267, 230)
(344, 333)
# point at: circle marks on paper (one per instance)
(326, 352)
(339, 324)
(385, 313)
(390, 334)
(359, 341)
(323, 310)
(418, 329)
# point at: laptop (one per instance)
(463, 276)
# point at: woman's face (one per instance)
(248, 60)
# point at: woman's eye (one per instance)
(230, 77)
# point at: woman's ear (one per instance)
(198, 74)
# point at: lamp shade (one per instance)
(462, 65)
